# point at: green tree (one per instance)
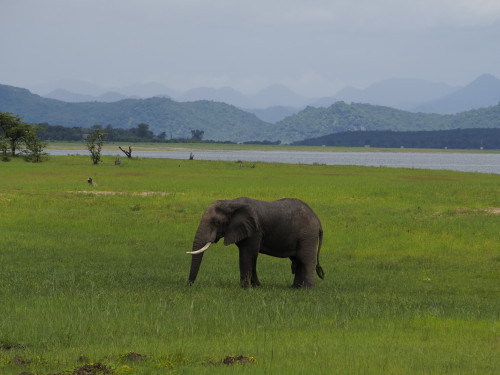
(4, 146)
(13, 130)
(143, 131)
(197, 135)
(34, 146)
(94, 143)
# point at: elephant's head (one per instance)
(232, 220)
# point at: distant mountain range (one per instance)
(276, 102)
(482, 92)
(405, 94)
(219, 121)
(224, 122)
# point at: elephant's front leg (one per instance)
(255, 280)
(249, 250)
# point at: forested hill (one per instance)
(341, 117)
(223, 122)
(219, 121)
(487, 139)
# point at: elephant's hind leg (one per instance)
(294, 264)
(298, 279)
(305, 264)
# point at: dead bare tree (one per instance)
(128, 153)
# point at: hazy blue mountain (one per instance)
(403, 94)
(68, 96)
(111, 96)
(273, 114)
(277, 95)
(406, 94)
(69, 85)
(224, 95)
(73, 91)
(71, 97)
(482, 92)
(272, 96)
(146, 90)
(90, 93)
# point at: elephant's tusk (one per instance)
(201, 250)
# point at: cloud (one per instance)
(347, 14)
(309, 45)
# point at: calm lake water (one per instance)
(465, 162)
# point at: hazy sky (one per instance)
(315, 47)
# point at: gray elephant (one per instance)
(287, 228)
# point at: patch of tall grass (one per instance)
(411, 260)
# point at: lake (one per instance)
(465, 162)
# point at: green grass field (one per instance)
(93, 278)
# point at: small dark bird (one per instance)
(91, 182)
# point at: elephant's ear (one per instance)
(242, 224)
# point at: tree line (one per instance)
(139, 133)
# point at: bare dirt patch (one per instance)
(7, 345)
(134, 357)
(229, 360)
(89, 369)
(20, 361)
(489, 210)
(3, 197)
(92, 369)
(241, 359)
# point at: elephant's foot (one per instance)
(256, 283)
(246, 284)
(302, 285)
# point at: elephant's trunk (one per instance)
(195, 267)
(196, 262)
(203, 238)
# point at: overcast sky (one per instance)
(315, 47)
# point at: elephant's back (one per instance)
(298, 215)
(297, 206)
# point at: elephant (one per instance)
(286, 228)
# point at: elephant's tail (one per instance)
(319, 269)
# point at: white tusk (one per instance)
(201, 250)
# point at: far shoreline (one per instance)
(187, 147)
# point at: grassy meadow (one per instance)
(94, 277)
